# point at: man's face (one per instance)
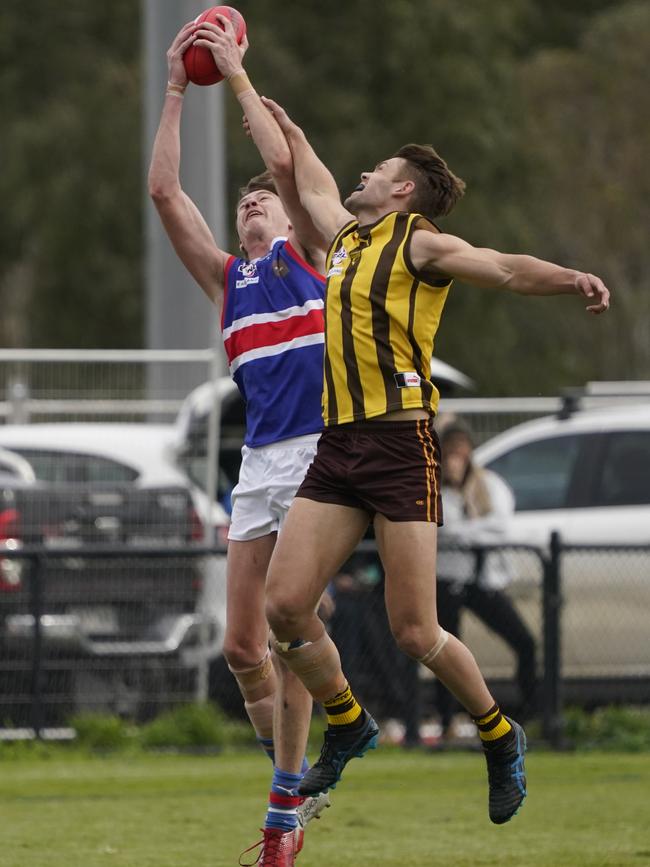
(260, 214)
(377, 187)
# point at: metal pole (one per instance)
(211, 484)
(552, 717)
(178, 315)
(36, 594)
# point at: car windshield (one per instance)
(539, 472)
(73, 468)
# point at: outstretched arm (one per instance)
(183, 222)
(526, 275)
(266, 134)
(316, 185)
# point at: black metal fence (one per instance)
(135, 631)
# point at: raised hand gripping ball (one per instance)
(199, 62)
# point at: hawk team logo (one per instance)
(337, 259)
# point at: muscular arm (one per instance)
(316, 185)
(526, 275)
(267, 135)
(183, 222)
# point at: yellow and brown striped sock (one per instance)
(344, 713)
(492, 726)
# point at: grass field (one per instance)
(393, 808)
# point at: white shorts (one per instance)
(268, 480)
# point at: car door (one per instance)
(594, 489)
(547, 478)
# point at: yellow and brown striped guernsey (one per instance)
(381, 317)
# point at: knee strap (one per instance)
(428, 658)
(316, 663)
(258, 685)
(256, 682)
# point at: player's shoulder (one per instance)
(429, 237)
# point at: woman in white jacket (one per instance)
(477, 505)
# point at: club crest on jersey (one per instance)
(340, 256)
(248, 270)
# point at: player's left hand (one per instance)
(594, 289)
(284, 121)
(222, 44)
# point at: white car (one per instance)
(12, 466)
(586, 476)
(117, 484)
(141, 454)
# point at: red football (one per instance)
(199, 62)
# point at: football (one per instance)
(199, 62)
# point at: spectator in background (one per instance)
(477, 505)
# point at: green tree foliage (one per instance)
(536, 103)
(590, 135)
(71, 180)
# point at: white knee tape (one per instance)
(428, 658)
(317, 663)
(257, 682)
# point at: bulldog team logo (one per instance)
(248, 270)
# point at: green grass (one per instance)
(393, 808)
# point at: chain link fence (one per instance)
(125, 635)
(112, 567)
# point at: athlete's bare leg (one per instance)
(279, 706)
(247, 633)
(316, 539)
(291, 719)
(408, 553)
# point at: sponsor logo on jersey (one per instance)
(408, 379)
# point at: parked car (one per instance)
(585, 474)
(13, 467)
(117, 633)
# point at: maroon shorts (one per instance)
(386, 467)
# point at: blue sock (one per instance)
(267, 746)
(305, 767)
(283, 802)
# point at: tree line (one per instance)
(537, 104)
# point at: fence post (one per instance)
(552, 716)
(36, 594)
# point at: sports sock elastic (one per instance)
(492, 727)
(268, 747)
(283, 802)
(344, 713)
